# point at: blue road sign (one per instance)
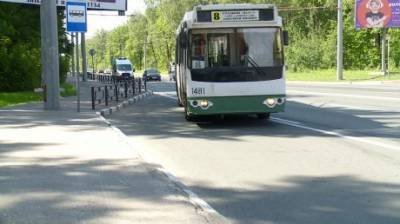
(76, 17)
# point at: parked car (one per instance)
(151, 74)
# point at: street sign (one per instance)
(76, 17)
(113, 5)
(92, 52)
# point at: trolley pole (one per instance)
(339, 64)
(50, 63)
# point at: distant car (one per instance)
(107, 71)
(151, 74)
(123, 69)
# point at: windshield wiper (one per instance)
(254, 64)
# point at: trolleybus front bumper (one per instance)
(236, 105)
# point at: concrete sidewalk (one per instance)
(65, 167)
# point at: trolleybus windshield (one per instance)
(236, 55)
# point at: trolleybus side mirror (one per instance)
(286, 38)
(183, 39)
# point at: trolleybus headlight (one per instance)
(195, 103)
(204, 103)
(270, 102)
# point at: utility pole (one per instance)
(339, 63)
(84, 58)
(383, 55)
(50, 57)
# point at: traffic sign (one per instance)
(76, 16)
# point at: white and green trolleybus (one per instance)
(230, 60)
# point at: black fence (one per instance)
(116, 91)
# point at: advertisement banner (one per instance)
(113, 5)
(377, 14)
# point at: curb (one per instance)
(125, 103)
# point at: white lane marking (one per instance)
(193, 197)
(345, 95)
(333, 133)
(302, 126)
(349, 86)
(336, 105)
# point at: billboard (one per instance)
(377, 14)
(114, 5)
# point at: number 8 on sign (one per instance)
(216, 16)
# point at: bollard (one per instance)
(133, 87)
(116, 92)
(93, 98)
(126, 89)
(145, 85)
(106, 95)
(140, 86)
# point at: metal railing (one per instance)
(116, 91)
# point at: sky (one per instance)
(108, 20)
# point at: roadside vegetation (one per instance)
(15, 98)
(10, 99)
(20, 65)
(311, 25)
(328, 75)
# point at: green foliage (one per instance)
(311, 25)
(9, 99)
(69, 90)
(20, 55)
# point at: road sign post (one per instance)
(77, 22)
(92, 52)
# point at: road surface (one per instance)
(332, 157)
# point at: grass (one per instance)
(69, 90)
(330, 75)
(11, 99)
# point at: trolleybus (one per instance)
(230, 60)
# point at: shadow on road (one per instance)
(309, 200)
(66, 190)
(159, 117)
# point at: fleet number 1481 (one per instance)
(198, 91)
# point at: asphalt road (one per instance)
(333, 157)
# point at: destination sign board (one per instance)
(113, 5)
(235, 16)
(247, 15)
